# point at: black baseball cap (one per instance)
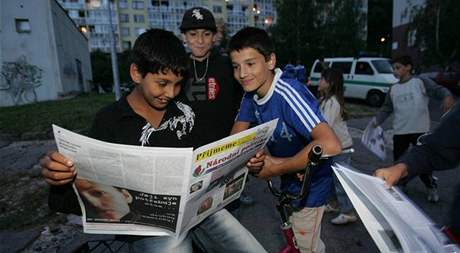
(198, 18)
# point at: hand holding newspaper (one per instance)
(374, 140)
(124, 189)
(394, 222)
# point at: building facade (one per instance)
(132, 17)
(39, 36)
(403, 35)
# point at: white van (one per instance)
(366, 78)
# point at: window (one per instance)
(363, 68)
(138, 18)
(320, 67)
(125, 31)
(124, 18)
(123, 4)
(411, 38)
(217, 9)
(22, 25)
(126, 45)
(345, 66)
(138, 5)
(383, 66)
(163, 3)
(81, 14)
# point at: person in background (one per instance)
(332, 105)
(215, 96)
(439, 150)
(300, 127)
(211, 90)
(408, 101)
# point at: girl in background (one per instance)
(332, 107)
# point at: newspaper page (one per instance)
(119, 185)
(374, 140)
(394, 222)
(124, 189)
(219, 171)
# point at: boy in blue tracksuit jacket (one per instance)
(300, 126)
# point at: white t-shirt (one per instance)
(330, 109)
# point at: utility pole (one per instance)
(113, 53)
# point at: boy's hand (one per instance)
(393, 174)
(256, 162)
(447, 103)
(57, 169)
(269, 168)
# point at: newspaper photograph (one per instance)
(125, 189)
(394, 222)
(373, 139)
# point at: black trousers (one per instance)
(401, 144)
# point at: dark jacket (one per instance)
(439, 150)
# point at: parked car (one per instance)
(449, 79)
(366, 78)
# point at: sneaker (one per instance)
(433, 195)
(330, 209)
(344, 219)
(246, 199)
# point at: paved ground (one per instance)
(261, 218)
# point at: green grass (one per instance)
(74, 114)
(77, 113)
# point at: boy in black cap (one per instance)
(211, 89)
(214, 95)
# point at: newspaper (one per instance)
(394, 222)
(374, 140)
(124, 189)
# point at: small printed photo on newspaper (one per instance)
(109, 204)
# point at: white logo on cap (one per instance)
(197, 14)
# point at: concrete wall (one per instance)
(74, 63)
(50, 44)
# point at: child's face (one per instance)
(323, 85)
(401, 71)
(108, 202)
(157, 89)
(200, 42)
(252, 71)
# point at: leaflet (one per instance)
(394, 222)
(125, 189)
(373, 139)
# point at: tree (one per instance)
(437, 31)
(308, 30)
(379, 25)
(101, 66)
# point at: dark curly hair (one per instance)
(159, 50)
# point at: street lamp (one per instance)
(113, 53)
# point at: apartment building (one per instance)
(132, 17)
(403, 36)
(92, 18)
